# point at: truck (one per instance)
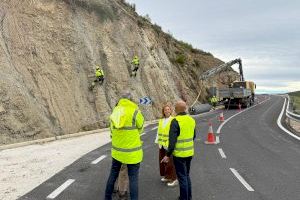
(239, 92)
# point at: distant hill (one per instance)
(297, 93)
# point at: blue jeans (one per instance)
(133, 174)
(182, 166)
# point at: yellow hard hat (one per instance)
(97, 67)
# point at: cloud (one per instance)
(265, 34)
(279, 86)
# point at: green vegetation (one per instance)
(295, 98)
(186, 45)
(180, 59)
(157, 28)
(197, 63)
(131, 6)
(192, 49)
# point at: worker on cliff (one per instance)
(126, 125)
(99, 74)
(136, 64)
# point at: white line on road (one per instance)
(242, 180)
(221, 126)
(143, 134)
(61, 188)
(222, 153)
(217, 139)
(280, 125)
(98, 159)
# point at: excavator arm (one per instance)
(218, 69)
(223, 67)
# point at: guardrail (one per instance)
(290, 114)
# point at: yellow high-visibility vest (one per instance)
(163, 132)
(185, 141)
(126, 126)
(99, 72)
(136, 61)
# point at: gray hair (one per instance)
(126, 95)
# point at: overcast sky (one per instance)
(265, 34)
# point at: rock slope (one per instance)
(48, 53)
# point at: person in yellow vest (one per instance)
(136, 65)
(167, 170)
(181, 146)
(214, 101)
(126, 125)
(99, 75)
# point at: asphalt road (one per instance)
(254, 160)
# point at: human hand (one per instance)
(166, 159)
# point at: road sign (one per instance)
(145, 101)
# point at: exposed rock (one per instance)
(2, 110)
(48, 52)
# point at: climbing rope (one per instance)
(201, 87)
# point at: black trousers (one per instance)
(133, 174)
(136, 67)
(183, 166)
(100, 79)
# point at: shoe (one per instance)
(164, 180)
(173, 183)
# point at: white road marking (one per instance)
(217, 139)
(60, 189)
(98, 159)
(242, 180)
(222, 153)
(221, 126)
(280, 125)
(143, 134)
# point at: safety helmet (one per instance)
(135, 57)
(97, 67)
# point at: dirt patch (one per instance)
(295, 125)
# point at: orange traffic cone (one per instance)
(221, 118)
(210, 135)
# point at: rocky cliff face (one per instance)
(48, 52)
